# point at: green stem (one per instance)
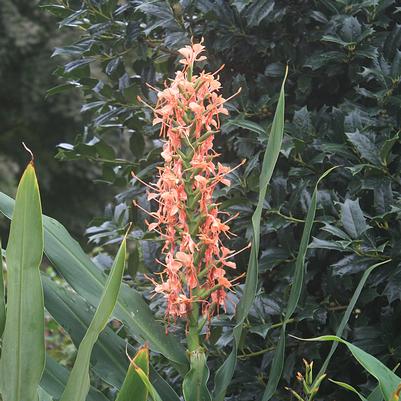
(206, 293)
(203, 138)
(193, 332)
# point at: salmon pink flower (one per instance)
(191, 225)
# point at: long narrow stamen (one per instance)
(153, 188)
(238, 252)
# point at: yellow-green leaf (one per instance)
(77, 268)
(347, 315)
(2, 295)
(133, 388)
(295, 293)
(23, 353)
(78, 383)
(154, 395)
(226, 371)
(388, 380)
(54, 380)
(349, 388)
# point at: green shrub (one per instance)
(343, 102)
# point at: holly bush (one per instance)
(342, 110)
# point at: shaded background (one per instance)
(28, 36)
(342, 109)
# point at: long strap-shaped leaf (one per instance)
(376, 394)
(2, 295)
(109, 357)
(154, 395)
(296, 289)
(43, 395)
(225, 372)
(54, 380)
(87, 280)
(133, 388)
(23, 354)
(347, 314)
(78, 383)
(349, 388)
(389, 382)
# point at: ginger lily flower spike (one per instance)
(190, 223)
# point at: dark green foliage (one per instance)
(27, 38)
(343, 109)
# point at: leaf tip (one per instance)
(30, 153)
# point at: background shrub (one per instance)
(343, 98)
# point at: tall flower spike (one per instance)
(195, 261)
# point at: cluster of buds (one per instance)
(188, 219)
(310, 387)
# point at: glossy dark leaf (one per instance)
(352, 218)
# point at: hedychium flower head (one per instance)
(188, 219)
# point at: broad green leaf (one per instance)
(247, 124)
(376, 394)
(133, 388)
(74, 314)
(54, 380)
(59, 88)
(154, 395)
(195, 382)
(79, 383)
(347, 314)
(2, 295)
(349, 388)
(162, 387)
(225, 373)
(352, 218)
(388, 380)
(109, 360)
(87, 280)
(320, 59)
(43, 396)
(296, 289)
(303, 247)
(23, 351)
(386, 148)
(364, 145)
(257, 11)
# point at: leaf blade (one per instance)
(55, 377)
(85, 278)
(352, 217)
(346, 316)
(226, 371)
(387, 379)
(349, 388)
(23, 354)
(109, 360)
(2, 295)
(79, 383)
(295, 293)
(133, 388)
